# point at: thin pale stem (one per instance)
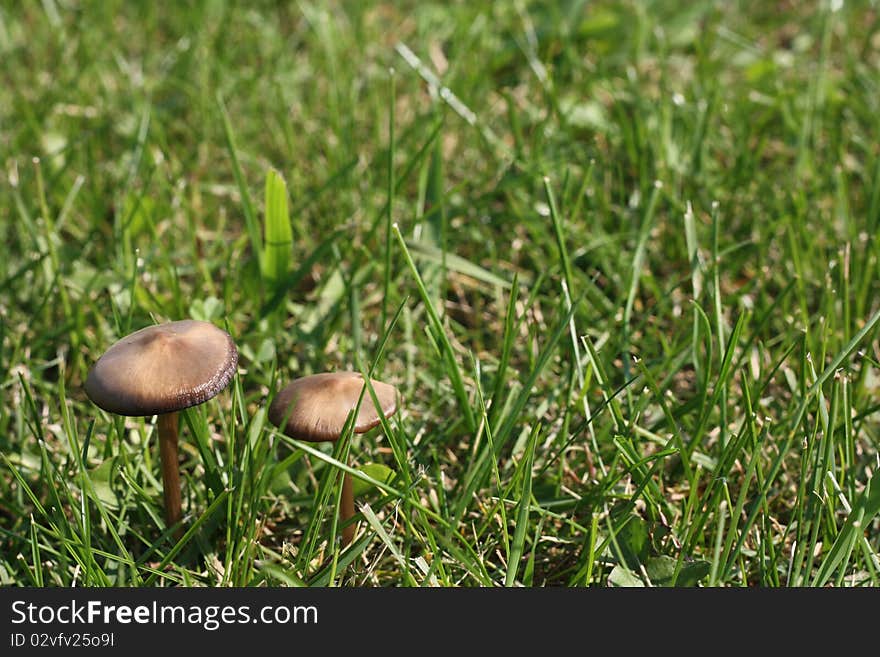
(346, 510)
(170, 470)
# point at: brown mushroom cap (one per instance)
(162, 369)
(315, 407)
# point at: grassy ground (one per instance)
(620, 258)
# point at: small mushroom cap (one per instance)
(162, 369)
(315, 407)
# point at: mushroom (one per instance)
(315, 408)
(161, 370)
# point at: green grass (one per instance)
(620, 258)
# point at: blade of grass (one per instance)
(524, 472)
(279, 234)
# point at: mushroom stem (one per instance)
(170, 470)
(346, 510)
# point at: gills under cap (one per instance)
(162, 369)
(314, 408)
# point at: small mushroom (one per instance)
(315, 408)
(161, 370)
